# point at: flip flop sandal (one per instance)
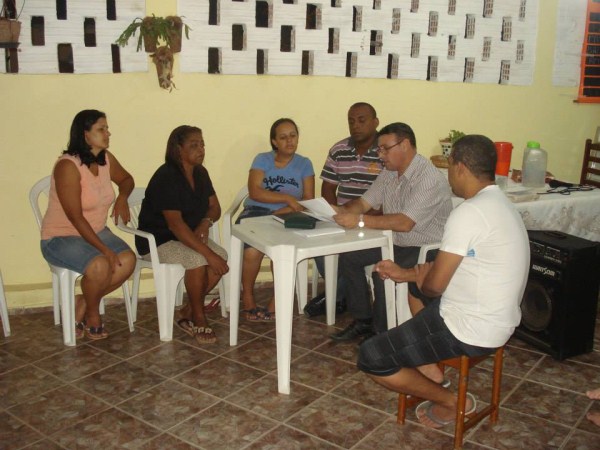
(96, 333)
(426, 409)
(205, 335)
(187, 326)
(251, 315)
(79, 329)
(212, 305)
(264, 315)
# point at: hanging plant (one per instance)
(154, 30)
(10, 27)
(163, 60)
(160, 36)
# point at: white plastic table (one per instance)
(290, 252)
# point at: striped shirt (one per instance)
(352, 173)
(421, 193)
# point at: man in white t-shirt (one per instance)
(480, 273)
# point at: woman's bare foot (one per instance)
(594, 394)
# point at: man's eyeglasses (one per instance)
(382, 149)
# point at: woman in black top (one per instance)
(179, 207)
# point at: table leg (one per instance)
(301, 283)
(387, 252)
(235, 273)
(284, 271)
(331, 270)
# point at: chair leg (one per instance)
(221, 286)
(401, 417)
(67, 306)
(497, 380)
(4, 309)
(56, 298)
(463, 384)
(135, 288)
(127, 300)
(167, 289)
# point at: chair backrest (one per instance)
(42, 186)
(135, 204)
(229, 215)
(590, 169)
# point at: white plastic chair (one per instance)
(167, 277)
(4, 309)
(63, 280)
(402, 310)
(227, 222)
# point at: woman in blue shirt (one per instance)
(277, 181)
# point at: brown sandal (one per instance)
(205, 335)
(96, 333)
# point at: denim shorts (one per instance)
(75, 253)
(424, 339)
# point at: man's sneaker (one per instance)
(358, 328)
(316, 307)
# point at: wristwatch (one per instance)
(210, 221)
(361, 221)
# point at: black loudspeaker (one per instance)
(561, 298)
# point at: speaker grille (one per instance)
(536, 308)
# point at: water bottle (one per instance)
(534, 165)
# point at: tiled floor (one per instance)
(134, 391)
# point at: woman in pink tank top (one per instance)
(74, 232)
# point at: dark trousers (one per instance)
(352, 268)
(341, 289)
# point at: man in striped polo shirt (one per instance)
(415, 198)
(351, 167)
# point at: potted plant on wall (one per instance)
(160, 36)
(10, 27)
(449, 140)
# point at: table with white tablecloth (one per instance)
(577, 213)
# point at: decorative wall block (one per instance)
(76, 36)
(479, 41)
